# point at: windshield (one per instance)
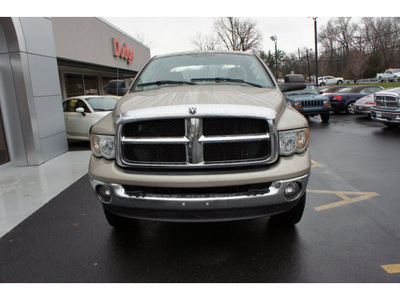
(203, 68)
(310, 89)
(345, 90)
(102, 103)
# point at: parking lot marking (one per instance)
(392, 269)
(315, 164)
(344, 196)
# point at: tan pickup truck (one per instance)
(199, 137)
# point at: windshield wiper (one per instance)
(226, 79)
(161, 82)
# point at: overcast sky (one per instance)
(175, 34)
(171, 25)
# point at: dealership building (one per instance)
(42, 62)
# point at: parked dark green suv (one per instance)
(308, 101)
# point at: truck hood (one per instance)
(209, 95)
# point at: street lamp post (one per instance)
(274, 38)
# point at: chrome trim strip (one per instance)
(275, 195)
(203, 110)
(182, 140)
(236, 138)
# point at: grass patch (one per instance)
(385, 85)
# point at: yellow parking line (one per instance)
(315, 164)
(392, 269)
(343, 195)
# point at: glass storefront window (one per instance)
(104, 81)
(81, 84)
(91, 83)
(73, 85)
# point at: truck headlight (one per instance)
(293, 141)
(102, 146)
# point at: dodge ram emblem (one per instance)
(192, 110)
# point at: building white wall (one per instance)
(37, 93)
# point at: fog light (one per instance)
(292, 190)
(104, 193)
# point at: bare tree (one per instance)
(382, 35)
(142, 39)
(205, 42)
(356, 63)
(238, 35)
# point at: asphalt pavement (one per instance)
(350, 231)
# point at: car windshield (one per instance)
(102, 103)
(203, 68)
(310, 89)
(344, 90)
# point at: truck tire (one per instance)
(291, 216)
(391, 125)
(339, 82)
(118, 222)
(325, 117)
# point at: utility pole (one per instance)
(298, 49)
(316, 50)
(308, 66)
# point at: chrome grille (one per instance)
(385, 101)
(196, 142)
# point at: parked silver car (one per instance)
(364, 104)
(82, 112)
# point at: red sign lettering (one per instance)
(122, 51)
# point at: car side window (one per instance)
(73, 104)
(69, 105)
(374, 89)
(82, 104)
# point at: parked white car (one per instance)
(326, 80)
(82, 112)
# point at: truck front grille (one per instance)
(389, 102)
(196, 142)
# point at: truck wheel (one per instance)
(292, 216)
(350, 108)
(391, 125)
(339, 82)
(325, 117)
(118, 222)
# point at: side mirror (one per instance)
(81, 110)
(117, 88)
(293, 82)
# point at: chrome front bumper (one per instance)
(386, 116)
(200, 208)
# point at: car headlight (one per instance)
(327, 102)
(296, 103)
(102, 146)
(293, 141)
